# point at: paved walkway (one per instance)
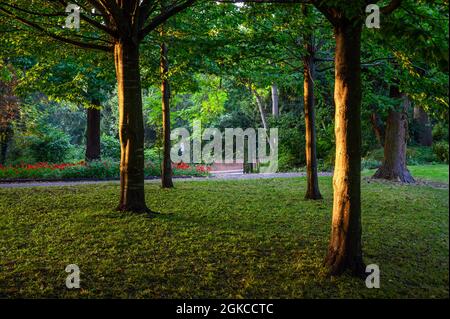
(213, 177)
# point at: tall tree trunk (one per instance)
(93, 133)
(377, 127)
(394, 162)
(166, 169)
(260, 103)
(131, 127)
(312, 191)
(424, 133)
(344, 251)
(275, 110)
(4, 141)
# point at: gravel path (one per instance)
(214, 177)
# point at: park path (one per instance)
(223, 176)
(216, 176)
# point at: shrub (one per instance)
(414, 156)
(110, 147)
(94, 170)
(370, 163)
(440, 132)
(52, 147)
(420, 155)
(153, 154)
(440, 149)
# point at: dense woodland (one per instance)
(344, 96)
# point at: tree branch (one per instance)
(54, 36)
(162, 17)
(94, 23)
(394, 4)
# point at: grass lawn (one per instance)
(230, 239)
(434, 172)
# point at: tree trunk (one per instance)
(275, 111)
(166, 169)
(260, 103)
(424, 133)
(394, 162)
(131, 127)
(312, 191)
(93, 133)
(377, 127)
(4, 140)
(344, 251)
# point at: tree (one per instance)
(9, 108)
(166, 165)
(125, 24)
(394, 163)
(309, 70)
(423, 126)
(415, 60)
(345, 249)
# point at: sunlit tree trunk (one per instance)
(394, 161)
(260, 103)
(93, 133)
(166, 169)
(131, 127)
(312, 188)
(344, 251)
(275, 99)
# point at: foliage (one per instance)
(105, 169)
(440, 149)
(52, 146)
(291, 148)
(440, 132)
(110, 147)
(415, 155)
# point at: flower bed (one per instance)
(92, 170)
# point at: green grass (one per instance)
(435, 172)
(230, 239)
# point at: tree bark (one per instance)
(4, 141)
(166, 169)
(93, 133)
(312, 189)
(424, 134)
(131, 127)
(394, 162)
(275, 110)
(344, 251)
(377, 127)
(260, 103)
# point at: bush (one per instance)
(153, 154)
(440, 149)
(440, 132)
(291, 148)
(370, 163)
(52, 147)
(414, 156)
(110, 147)
(95, 170)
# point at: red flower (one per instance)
(182, 165)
